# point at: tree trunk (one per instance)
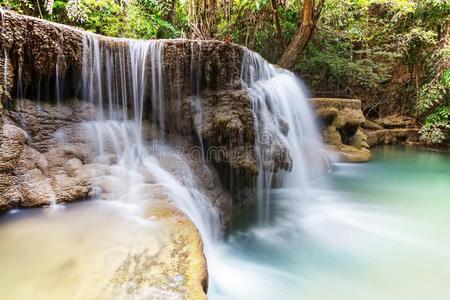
(276, 19)
(303, 34)
(170, 16)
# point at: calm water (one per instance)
(76, 251)
(379, 230)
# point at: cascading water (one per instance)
(58, 80)
(282, 117)
(302, 237)
(157, 48)
(307, 235)
(116, 78)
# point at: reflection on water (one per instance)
(379, 230)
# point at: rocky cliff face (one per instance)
(36, 55)
(36, 167)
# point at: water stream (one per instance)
(373, 231)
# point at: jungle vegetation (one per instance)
(394, 55)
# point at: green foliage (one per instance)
(434, 133)
(430, 95)
(102, 16)
(21, 6)
(445, 81)
(134, 18)
(440, 115)
(144, 19)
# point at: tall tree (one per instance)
(310, 16)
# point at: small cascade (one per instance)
(197, 108)
(120, 75)
(157, 51)
(58, 76)
(116, 78)
(283, 118)
(5, 70)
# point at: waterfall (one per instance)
(157, 48)
(197, 107)
(283, 118)
(126, 81)
(58, 80)
(5, 56)
(120, 77)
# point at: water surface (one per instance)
(379, 230)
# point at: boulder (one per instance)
(392, 136)
(341, 126)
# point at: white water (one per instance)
(278, 98)
(58, 79)
(119, 132)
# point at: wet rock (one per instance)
(207, 69)
(37, 167)
(342, 121)
(32, 46)
(227, 129)
(392, 136)
(184, 264)
(48, 125)
(391, 130)
(371, 125)
(351, 154)
(396, 121)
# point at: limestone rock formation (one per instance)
(201, 81)
(391, 130)
(37, 169)
(45, 156)
(341, 121)
(392, 136)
